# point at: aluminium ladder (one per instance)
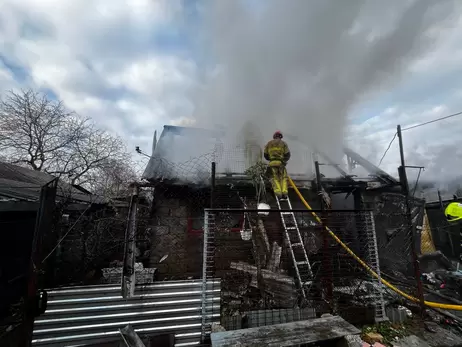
(296, 246)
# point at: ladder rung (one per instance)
(291, 228)
(286, 213)
(298, 244)
(302, 262)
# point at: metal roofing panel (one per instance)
(21, 183)
(77, 316)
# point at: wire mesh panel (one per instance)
(230, 160)
(402, 239)
(258, 263)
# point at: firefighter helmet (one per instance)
(277, 135)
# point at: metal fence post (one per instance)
(409, 223)
(327, 278)
(204, 274)
(374, 261)
(128, 274)
(212, 184)
(43, 226)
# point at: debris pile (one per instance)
(113, 275)
(263, 284)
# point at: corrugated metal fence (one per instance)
(78, 316)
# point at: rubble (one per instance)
(113, 275)
(398, 315)
(372, 337)
(410, 341)
(217, 327)
(281, 287)
(265, 279)
(433, 261)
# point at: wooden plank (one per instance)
(287, 334)
(267, 274)
(275, 259)
(264, 237)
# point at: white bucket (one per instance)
(263, 206)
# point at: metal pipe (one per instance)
(204, 275)
(212, 184)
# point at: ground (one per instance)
(440, 336)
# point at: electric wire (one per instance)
(386, 151)
(67, 233)
(417, 182)
(432, 121)
(417, 126)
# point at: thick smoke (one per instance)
(300, 66)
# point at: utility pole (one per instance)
(410, 229)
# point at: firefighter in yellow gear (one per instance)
(278, 154)
(453, 212)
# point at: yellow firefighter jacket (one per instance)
(277, 152)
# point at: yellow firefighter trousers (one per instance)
(279, 177)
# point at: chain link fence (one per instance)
(231, 161)
(266, 278)
(401, 237)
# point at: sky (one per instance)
(330, 72)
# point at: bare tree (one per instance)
(112, 178)
(34, 129)
(91, 151)
(42, 134)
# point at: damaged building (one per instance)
(222, 256)
(216, 176)
(184, 187)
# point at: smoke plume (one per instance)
(300, 66)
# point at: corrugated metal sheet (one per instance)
(77, 316)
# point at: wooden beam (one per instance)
(264, 237)
(281, 287)
(267, 274)
(275, 260)
(287, 334)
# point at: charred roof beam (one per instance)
(374, 170)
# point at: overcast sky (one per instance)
(135, 65)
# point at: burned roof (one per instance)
(22, 184)
(186, 154)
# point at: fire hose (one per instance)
(367, 267)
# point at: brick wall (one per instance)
(170, 238)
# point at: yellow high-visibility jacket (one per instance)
(277, 151)
(453, 212)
